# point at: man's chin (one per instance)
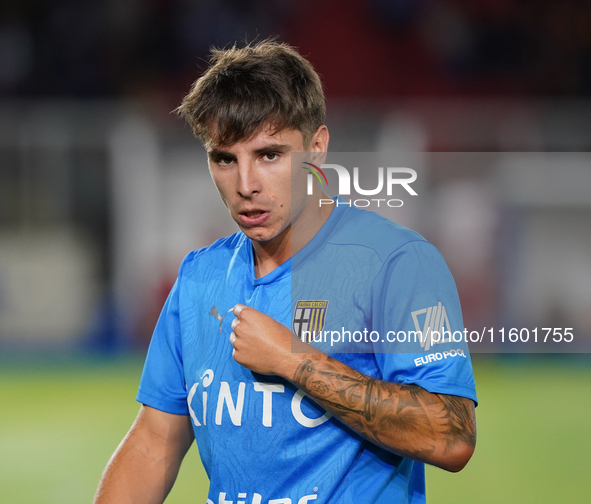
(261, 234)
(258, 234)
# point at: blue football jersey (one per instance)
(262, 440)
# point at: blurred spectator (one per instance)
(378, 47)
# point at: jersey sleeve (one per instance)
(162, 385)
(416, 309)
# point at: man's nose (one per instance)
(248, 180)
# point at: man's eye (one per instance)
(224, 161)
(270, 156)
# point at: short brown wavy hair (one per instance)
(244, 89)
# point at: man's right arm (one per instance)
(145, 465)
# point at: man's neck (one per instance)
(273, 253)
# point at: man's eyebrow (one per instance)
(275, 147)
(218, 153)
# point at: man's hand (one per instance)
(437, 429)
(261, 343)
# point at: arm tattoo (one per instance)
(343, 392)
(461, 414)
(403, 418)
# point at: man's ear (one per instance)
(319, 144)
(320, 139)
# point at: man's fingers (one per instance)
(235, 322)
(237, 309)
(232, 337)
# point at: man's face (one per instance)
(254, 178)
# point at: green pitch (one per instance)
(534, 437)
(59, 425)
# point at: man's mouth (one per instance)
(253, 217)
(256, 213)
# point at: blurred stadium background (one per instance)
(103, 191)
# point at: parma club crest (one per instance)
(309, 318)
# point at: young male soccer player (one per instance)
(276, 426)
